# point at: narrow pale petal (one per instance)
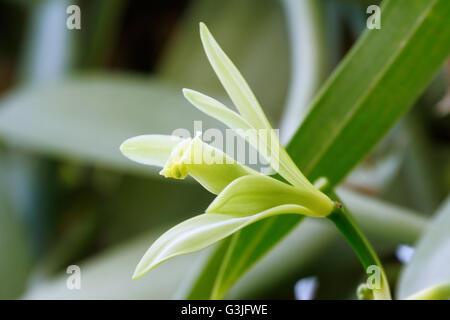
(200, 232)
(152, 149)
(263, 140)
(217, 110)
(233, 82)
(248, 106)
(212, 168)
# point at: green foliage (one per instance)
(376, 83)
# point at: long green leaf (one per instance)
(254, 193)
(373, 87)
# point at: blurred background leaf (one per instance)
(15, 253)
(107, 276)
(87, 117)
(429, 265)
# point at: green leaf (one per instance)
(376, 83)
(87, 117)
(373, 87)
(200, 232)
(15, 252)
(430, 263)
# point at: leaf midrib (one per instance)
(319, 155)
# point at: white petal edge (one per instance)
(151, 149)
(201, 232)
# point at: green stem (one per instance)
(363, 249)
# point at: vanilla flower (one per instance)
(244, 196)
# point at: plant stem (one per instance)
(363, 249)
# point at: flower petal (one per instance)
(152, 149)
(233, 82)
(200, 232)
(251, 194)
(217, 110)
(211, 167)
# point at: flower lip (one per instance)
(175, 166)
(182, 154)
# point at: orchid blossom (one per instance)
(244, 196)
